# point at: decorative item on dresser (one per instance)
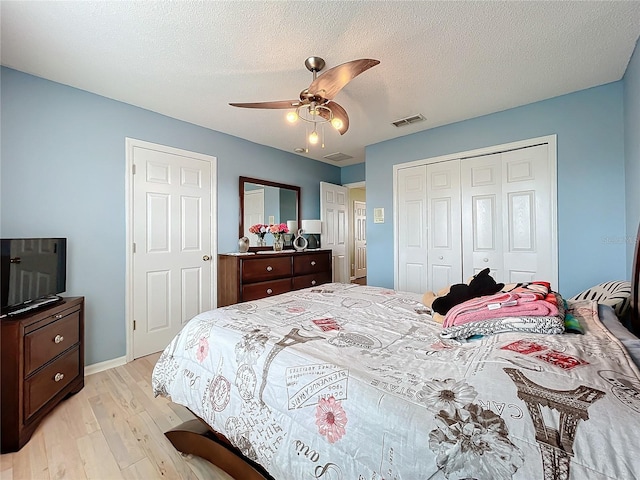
(42, 364)
(245, 278)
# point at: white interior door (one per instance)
(335, 227)
(360, 238)
(444, 252)
(411, 194)
(172, 267)
(253, 212)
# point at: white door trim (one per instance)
(551, 140)
(130, 144)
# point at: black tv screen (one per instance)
(33, 271)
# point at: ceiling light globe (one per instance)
(292, 117)
(313, 138)
(336, 123)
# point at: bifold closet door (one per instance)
(444, 247)
(429, 235)
(411, 185)
(482, 219)
(529, 214)
(507, 215)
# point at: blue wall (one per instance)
(63, 174)
(591, 182)
(353, 173)
(632, 151)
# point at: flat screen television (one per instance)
(33, 272)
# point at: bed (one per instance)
(344, 381)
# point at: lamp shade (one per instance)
(312, 226)
(292, 225)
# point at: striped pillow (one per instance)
(615, 294)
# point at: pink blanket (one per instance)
(500, 305)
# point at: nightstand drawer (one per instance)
(318, 262)
(306, 281)
(258, 270)
(255, 291)
(44, 385)
(47, 342)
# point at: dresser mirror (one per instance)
(263, 201)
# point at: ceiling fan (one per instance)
(316, 103)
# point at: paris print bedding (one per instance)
(355, 382)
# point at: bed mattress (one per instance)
(355, 382)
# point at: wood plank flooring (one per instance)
(112, 429)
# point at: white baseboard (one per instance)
(106, 365)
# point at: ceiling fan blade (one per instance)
(278, 104)
(333, 80)
(339, 113)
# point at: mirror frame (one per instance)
(266, 183)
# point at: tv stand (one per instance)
(42, 363)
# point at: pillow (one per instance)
(615, 294)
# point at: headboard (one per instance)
(635, 289)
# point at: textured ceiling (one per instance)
(449, 61)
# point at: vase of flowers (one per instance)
(260, 230)
(277, 231)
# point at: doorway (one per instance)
(358, 232)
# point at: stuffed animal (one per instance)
(479, 285)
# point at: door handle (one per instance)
(206, 258)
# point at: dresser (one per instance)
(42, 364)
(242, 278)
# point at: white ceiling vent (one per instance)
(337, 157)
(408, 120)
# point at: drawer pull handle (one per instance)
(269, 268)
(313, 282)
(59, 339)
(485, 259)
(58, 316)
(313, 262)
(58, 377)
(269, 291)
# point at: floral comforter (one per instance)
(354, 382)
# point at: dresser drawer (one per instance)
(255, 291)
(47, 342)
(261, 269)
(306, 281)
(44, 385)
(317, 262)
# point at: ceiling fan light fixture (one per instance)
(313, 138)
(336, 123)
(292, 117)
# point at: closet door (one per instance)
(482, 219)
(444, 250)
(411, 188)
(529, 214)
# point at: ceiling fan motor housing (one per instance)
(314, 64)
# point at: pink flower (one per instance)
(279, 228)
(331, 419)
(203, 349)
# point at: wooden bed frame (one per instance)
(197, 438)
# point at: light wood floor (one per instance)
(112, 429)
